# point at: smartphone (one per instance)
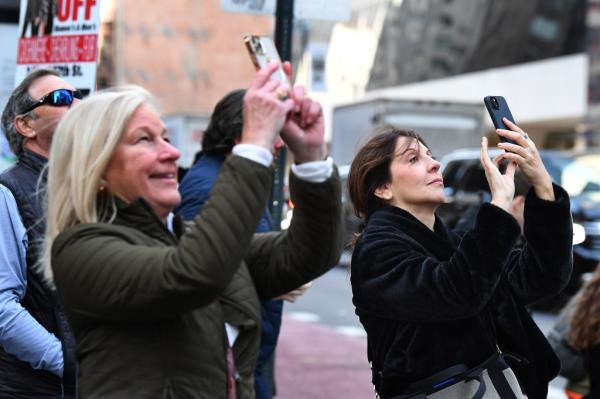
(262, 51)
(498, 109)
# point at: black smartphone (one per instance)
(498, 109)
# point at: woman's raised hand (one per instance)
(304, 130)
(502, 186)
(525, 154)
(265, 111)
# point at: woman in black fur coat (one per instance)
(444, 310)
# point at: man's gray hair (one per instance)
(18, 102)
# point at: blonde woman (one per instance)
(162, 313)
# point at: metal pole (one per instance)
(284, 21)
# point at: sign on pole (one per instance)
(60, 35)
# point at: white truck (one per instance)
(445, 126)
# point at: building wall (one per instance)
(188, 53)
(428, 39)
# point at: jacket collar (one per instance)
(440, 242)
(215, 160)
(32, 160)
(139, 215)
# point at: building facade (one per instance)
(188, 53)
(430, 39)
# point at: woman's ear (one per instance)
(384, 193)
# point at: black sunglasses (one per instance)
(57, 98)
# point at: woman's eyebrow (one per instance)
(407, 150)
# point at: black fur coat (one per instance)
(431, 299)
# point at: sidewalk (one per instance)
(316, 362)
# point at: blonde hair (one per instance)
(82, 147)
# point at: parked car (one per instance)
(578, 173)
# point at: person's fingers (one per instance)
(512, 126)
(271, 85)
(287, 68)
(510, 170)
(263, 75)
(498, 161)
(313, 112)
(304, 110)
(298, 93)
(518, 137)
(288, 104)
(484, 157)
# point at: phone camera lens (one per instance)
(494, 102)
(256, 44)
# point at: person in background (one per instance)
(224, 131)
(159, 311)
(441, 306)
(37, 347)
(584, 331)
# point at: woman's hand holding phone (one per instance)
(525, 154)
(518, 147)
(264, 112)
(303, 130)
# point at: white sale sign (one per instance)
(60, 35)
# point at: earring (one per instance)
(103, 185)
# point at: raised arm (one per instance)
(117, 273)
(281, 262)
(543, 265)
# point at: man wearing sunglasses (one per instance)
(36, 345)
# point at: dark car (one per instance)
(579, 173)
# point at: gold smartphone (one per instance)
(262, 51)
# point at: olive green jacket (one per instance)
(148, 309)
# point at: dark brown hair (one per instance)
(584, 330)
(370, 168)
(225, 125)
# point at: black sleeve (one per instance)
(542, 266)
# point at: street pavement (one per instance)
(315, 361)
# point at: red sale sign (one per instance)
(62, 35)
